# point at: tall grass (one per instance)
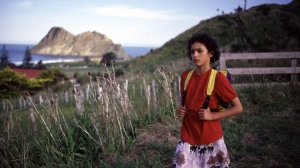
(89, 132)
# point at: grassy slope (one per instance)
(259, 29)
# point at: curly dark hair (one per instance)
(209, 43)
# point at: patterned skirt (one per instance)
(213, 155)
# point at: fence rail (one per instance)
(262, 55)
(277, 70)
(293, 69)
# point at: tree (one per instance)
(53, 76)
(27, 59)
(87, 60)
(4, 55)
(109, 58)
(40, 65)
(238, 9)
(4, 59)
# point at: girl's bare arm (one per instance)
(236, 108)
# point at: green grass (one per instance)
(265, 135)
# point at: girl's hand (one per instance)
(236, 108)
(205, 114)
(181, 111)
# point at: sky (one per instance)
(127, 22)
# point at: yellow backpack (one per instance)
(210, 87)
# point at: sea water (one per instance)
(16, 54)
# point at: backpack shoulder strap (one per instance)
(187, 79)
(211, 82)
(210, 87)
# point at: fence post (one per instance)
(78, 95)
(133, 89)
(294, 66)
(179, 94)
(32, 118)
(66, 97)
(148, 97)
(20, 103)
(154, 94)
(57, 98)
(175, 87)
(24, 103)
(141, 88)
(126, 86)
(222, 63)
(87, 91)
(41, 99)
(3, 105)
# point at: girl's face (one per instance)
(200, 55)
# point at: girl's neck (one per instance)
(202, 69)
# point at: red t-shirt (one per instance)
(196, 131)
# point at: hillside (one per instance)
(264, 28)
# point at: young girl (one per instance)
(202, 144)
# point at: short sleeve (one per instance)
(224, 89)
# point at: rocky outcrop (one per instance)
(89, 44)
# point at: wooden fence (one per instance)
(293, 69)
(147, 89)
(150, 88)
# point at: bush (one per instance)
(12, 83)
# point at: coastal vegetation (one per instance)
(127, 118)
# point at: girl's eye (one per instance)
(198, 50)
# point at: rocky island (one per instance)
(93, 45)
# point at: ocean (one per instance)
(16, 54)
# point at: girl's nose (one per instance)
(195, 54)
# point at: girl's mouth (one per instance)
(196, 61)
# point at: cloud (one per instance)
(24, 4)
(139, 13)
